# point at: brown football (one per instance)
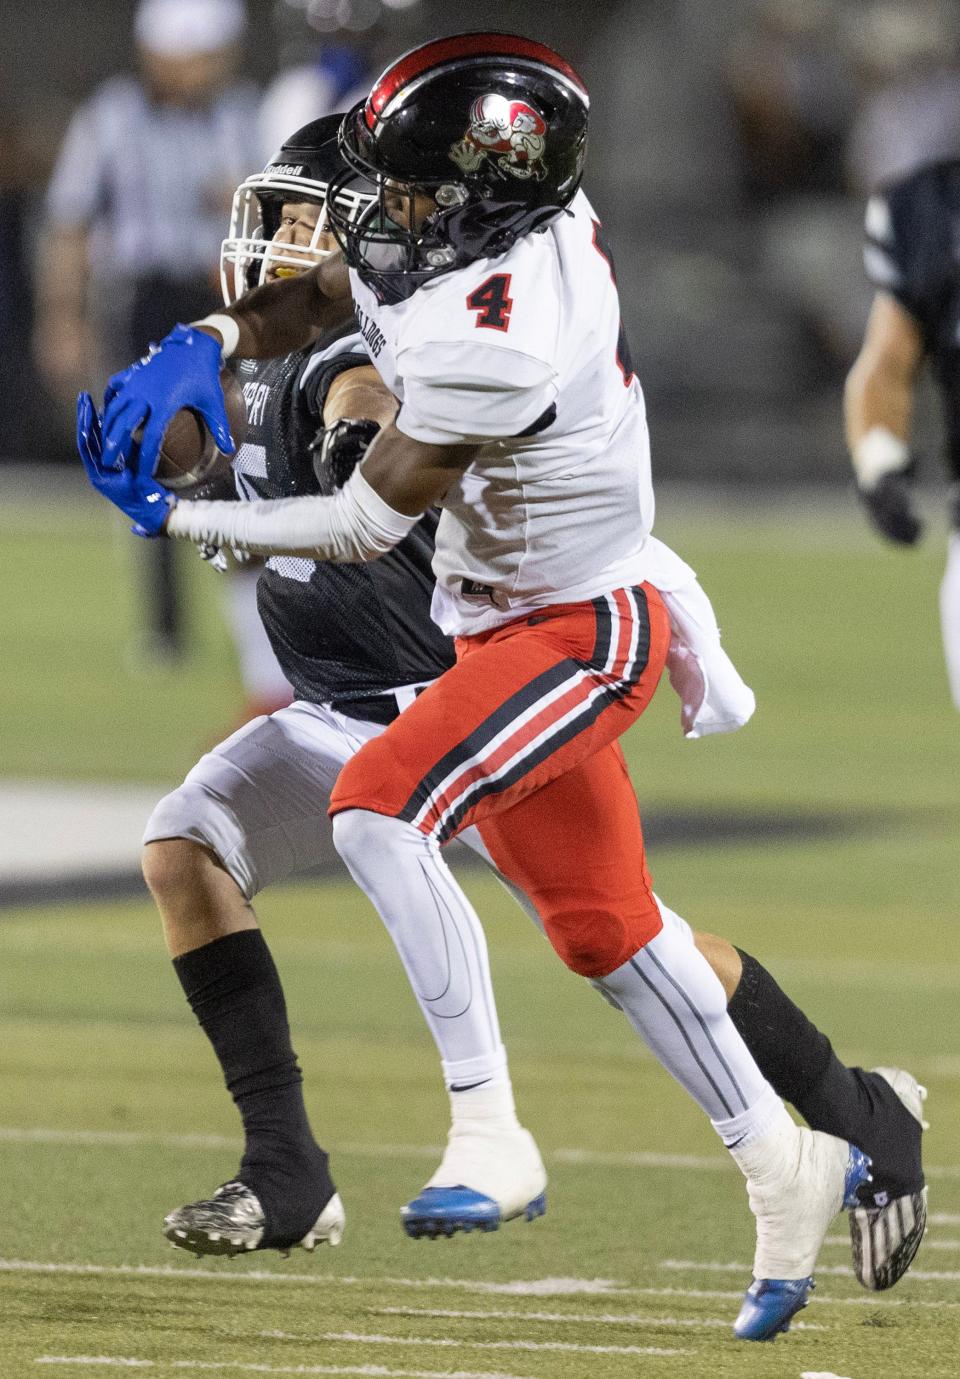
(188, 455)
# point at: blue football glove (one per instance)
(136, 494)
(182, 371)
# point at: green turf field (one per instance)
(111, 1110)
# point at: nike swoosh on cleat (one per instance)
(468, 1086)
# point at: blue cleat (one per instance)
(442, 1211)
(821, 1176)
(489, 1174)
(769, 1305)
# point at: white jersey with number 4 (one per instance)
(524, 354)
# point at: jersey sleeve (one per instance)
(461, 394)
(908, 251)
(478, 361)
(329, 360)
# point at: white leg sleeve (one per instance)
(261, 675)
(950, 615)
(670, 994)
(438, 937)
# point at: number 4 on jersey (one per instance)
(493, 302)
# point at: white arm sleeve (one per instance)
(355, 524)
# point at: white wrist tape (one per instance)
(227, 328)
(355, 524)
(876, 454)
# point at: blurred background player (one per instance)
(906, 67)
(328, 52)
(134, 218)
(22, 413)
(911, 259)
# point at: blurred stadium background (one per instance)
(732, 148)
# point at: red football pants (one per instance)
(519, 737)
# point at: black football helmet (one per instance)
(490, 128)
(301, 170)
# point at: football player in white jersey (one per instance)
(486, 299)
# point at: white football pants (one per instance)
(259, 802)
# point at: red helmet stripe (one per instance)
(443, 50)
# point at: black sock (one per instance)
(234, 990)
(799, 1063)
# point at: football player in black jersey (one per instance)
(357, 643)
(912, 257)
(250, 811)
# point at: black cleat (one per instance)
(232, 1221)
(888, 1222)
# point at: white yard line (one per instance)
(700, 1162)
(681, 1295)
(529, 1288)
(715, 1266)
(599, 1318)
(371, 1371)
(53, 830)
(135, 1139)
(601, 1158)
(592, 1158)
(448, 1343)
(112, 1139)
(537, 1287)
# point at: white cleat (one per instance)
(328, 1227)
(801, 1180)
(794, 1208)
(487, 1176)
(911, 1092)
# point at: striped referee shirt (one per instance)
(152, 181)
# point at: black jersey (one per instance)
(913, 252)
(340, 632)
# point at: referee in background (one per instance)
(134, 218)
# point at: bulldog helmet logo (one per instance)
(509, 132)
